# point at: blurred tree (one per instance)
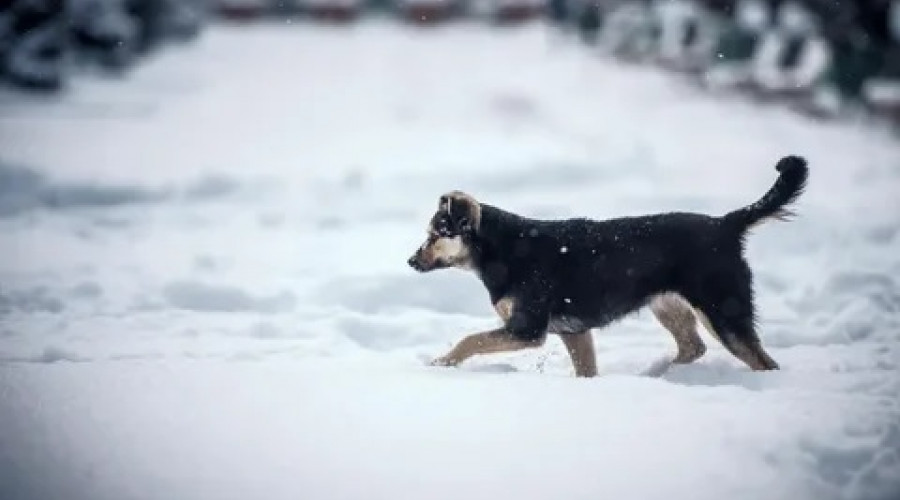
(558, 11)
(35, 44)
(148, 19)
(589, 21)
(102, 32)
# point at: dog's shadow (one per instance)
(492, 368)
(718, 373)
(475, 367)
(711, 373)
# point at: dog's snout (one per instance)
(414, 262)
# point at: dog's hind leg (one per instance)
(740, 339)
(727, 311)
(677, 316)
(581, 349)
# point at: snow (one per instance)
(203, 297)
(204, 290)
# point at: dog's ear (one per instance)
(463, 209)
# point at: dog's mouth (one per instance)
(416, 263)
(423, 266)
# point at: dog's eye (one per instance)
(443, 227)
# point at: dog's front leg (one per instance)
(581, 350)
(490, 342)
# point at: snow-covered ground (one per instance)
(204, 294)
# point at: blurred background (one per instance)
(828, 59)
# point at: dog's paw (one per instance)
(443, 361)
(428, 360)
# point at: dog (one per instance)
(567, 277)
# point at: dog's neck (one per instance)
(496, 223)
(489, 244)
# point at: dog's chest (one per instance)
(566, 324)
(504, 308)
(560, 323)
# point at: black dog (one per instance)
(566, 277)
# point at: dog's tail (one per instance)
(772, 205)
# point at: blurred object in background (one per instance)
(827, 59)
(736, 45)
(513, 11)
(41, 41)
(6, 32)
(882, 90)
(243, 10)
(182, 20)
(629, 30)
(103, 32)
(285, 7)
(793, 56)
(559, 11)
(161, 20)
(332, 10)
(589, 16)
(688, 33)
(428, 11)
(35, 44)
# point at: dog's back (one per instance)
(613, 267)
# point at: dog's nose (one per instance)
(416, 263)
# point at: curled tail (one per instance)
(772, 205)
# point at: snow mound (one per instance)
(204, 297)
(450, 293)
(23, 190)
(30, 300)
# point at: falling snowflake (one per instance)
(563, 249)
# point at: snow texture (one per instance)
(204, 291)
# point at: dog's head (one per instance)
(450, 232)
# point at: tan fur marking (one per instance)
(581, 350)
(676, 315)
(707, 325)
(490, 342)
(766, 361)
(504, 308)
(450, 250)
(753, 356)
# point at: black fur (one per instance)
(787, 189)
(571, 275)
